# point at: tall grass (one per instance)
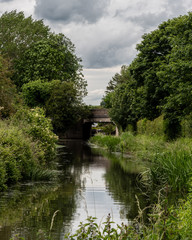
(111, 143)
(172, 167)
(171, 162)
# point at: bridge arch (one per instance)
(98, 115)
(82, 130)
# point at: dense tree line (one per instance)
(40, 69)
(158, 81)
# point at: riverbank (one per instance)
(171, 162)
(170, 171)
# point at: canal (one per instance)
(89, 184)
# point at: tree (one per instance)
(44, 67)
(64, 107)
(116, 80)
(50, 59)
(153, 50)
(37, 93)
(17, 33)
(162, 75)
(7, 90)
(124, 105)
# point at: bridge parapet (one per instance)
(98, 115)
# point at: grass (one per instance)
(171, 162)
(170, 171)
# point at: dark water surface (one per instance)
(89, 185)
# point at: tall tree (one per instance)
(50, 59)
(63, 106)
(7, 90)
(17, 33)
(162, 75)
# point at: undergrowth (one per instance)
(27, 146)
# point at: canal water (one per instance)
(89, 184)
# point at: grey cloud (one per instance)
(110, 41)
(149, 20)
(109, 57)
(2, 1)
(71, 11)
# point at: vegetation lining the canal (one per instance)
(27, 146)
(170, 171)
(173, 223)
(41, 84)
(170, 163)
(163, 223)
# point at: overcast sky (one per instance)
(105, 32)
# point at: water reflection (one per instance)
(88, 184)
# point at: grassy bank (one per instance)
(170, 171)
(27, 146)
(171, 162)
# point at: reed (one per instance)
(41, 174)
(111, 143)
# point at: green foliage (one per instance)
(36, 93)
(59, 99)
(171, 170)
(106, 128)
(109, 128)
(91, 230)
(26, 143)
(37, 126)
(158, 81)
(148, 127)
(7, 90)
(19, 32)
(64, 106)
(141, 146)
(49, 59)
(18, 155)
(171, 163)
(107, 141)
(186, 125)
(40, 62)
(125, 101)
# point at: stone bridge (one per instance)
(98, 115)
(83, 129)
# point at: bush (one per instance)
(36, 93)
(34, 123)
(148, 127)
(18, 155)
(27, 143)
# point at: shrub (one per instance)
(34, 123)
(148, 127)
(27, 144)
(18, 155)
(36, 93)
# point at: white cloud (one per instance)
(27, 6)
(94, 97)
